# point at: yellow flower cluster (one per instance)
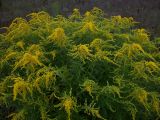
(151, 67)
(130, 50)
(88, 86)
(81, 52)
(21, 87)
(27, 59)
(141, 35)
(18, 28)
(58, 37)
(89, 26)
(140, 95)
(97, 44)
(68, 104)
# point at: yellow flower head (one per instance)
(17, 29)
(58, 37)
(75, 15)
(130, 50)
(140, 95)
(88, 16)
(151, 66)
(20, 87)
(142, 35)
(68, 104)
(45, 76)
(89, 86)
(27, 59)
(49, 77)
(97, 44)
(81, 52)
(89, 26)
(40, 18)
(137, 48)
(35, 49)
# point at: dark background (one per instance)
(147, 12)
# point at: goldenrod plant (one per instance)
(84, 67)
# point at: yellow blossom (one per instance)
(81, 52)
(58, 37)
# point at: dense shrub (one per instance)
(79, 68)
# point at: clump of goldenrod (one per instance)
(111, 68)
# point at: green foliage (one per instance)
(83, 67)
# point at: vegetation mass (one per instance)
(84, 67)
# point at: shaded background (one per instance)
(147, 12)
